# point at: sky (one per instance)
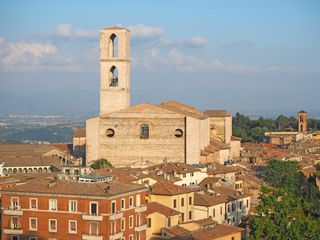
(255, 57)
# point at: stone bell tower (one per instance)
(114, 69)
(302, 121)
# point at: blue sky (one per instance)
(248, 56)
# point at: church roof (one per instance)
(182, 109)
(144, 109)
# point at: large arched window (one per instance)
(113, 46)
(113, 81)
(144, 131)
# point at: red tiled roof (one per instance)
(159, 208)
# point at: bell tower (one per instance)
(302, 121)
(114, 69)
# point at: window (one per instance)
(131, 202)
(131, 237)
(149, 222)
(182, 202)
(123, 224)
(232, 238)
(233, 207)
(72, 226)
(131, 222)
(113, 82)
(113, 227)
(169, 221)
(110, 132)
(52, 225)
(137, 219)
(182, 217)
(137, 236)
(33, 203)
(123, 203)
(190, 215)
(15, 203)
(228, 208)
(221, 210)
(247, 202)
(113, 46)
(72, 206)
(178, 133)
(33, 224)
(144, 131)
(192, 174)
(113, 207)
(33, 238)
(190, 200)
(93, 229)
(240, 204)
(93, 208)
(214, 212)
(14, 238)
(53, 204)
(15, 222)
(138, 200)
(174, 203)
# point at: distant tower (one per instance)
(302, 121)
(114, 69)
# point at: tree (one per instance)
(100, 163)
(280, 216)
(284, 174)
(282, 122)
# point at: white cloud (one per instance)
(26, 52)
(140, 31)
(66, 31)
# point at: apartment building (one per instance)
(59, 209)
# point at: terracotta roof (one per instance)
(118, 174)
(24, 149)
(169, 189)
(79, 132)
(178, 168)
(217, 113)
(209, 180)
(30, 161)
(159, 208)
(216, 232)
(53, 186)
(182, 109)
(233, 138)
(208, 200)
(216, 168)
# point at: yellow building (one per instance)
(158, 217)
(176, 197)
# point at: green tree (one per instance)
(280, 216)
(284, 174)
(100, 163)
(282, 122)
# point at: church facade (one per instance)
(170, 131)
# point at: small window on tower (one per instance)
(113, 77)
(144, 131)
(113, 46)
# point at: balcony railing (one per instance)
(91, 217)
(13, 211)
(116, 236)
(140, 228)
(141, 208)
(14, 229)
(91, 237)
(115, 216)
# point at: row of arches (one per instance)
(14, 170)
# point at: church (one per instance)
(170, 131)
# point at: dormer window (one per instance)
(113, 81)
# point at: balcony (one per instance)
(14, 229)
(91, 237)
(116, 236)
(141, 209)
(13, 211)
(141, 228)
(91, 217)
(116, 216)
